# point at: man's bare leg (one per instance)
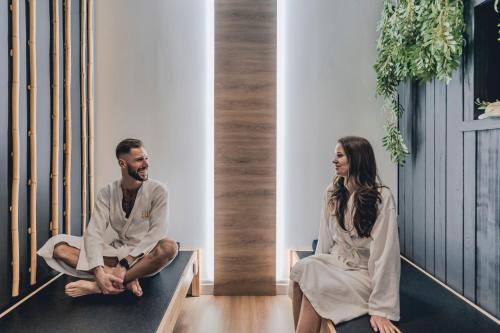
(69, 255)
(162, 253)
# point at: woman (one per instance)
(356, 267)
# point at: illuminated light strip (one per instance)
(208, 257)
(281, 272)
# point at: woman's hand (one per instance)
(383, 325)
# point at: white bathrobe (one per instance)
(350, 276)
(109, 233)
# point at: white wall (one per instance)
(327, 91)
(153, 81)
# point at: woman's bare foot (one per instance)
(81, 288)
(135, 287)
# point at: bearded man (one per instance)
(126, 238)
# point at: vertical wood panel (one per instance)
(440, 183)
(418, 152)
(55, 77)
(454, 183)
(408, 216)
(470, 215)
(469, 163)
(401, 181)
(429, 176)
(488, 228)
(245, 147)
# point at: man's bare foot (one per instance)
(135, 287)
(81, 288)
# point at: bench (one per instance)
(425, 306)
(50, 310)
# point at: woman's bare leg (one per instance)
(309, 320)
(296, 302)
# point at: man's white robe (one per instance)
(110, 233)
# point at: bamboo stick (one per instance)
(90, 78)
(15, 148)
(32, 134)
(83, 88)
(67, 116)
(54, 224)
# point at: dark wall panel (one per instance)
(44, 121)
(455, 191)
(76, 142)
(418, 153)
(440, 181)
(429, 175)
(488, 222)
(5, 268)
(454, 183)
(23, 153)
(44, 143)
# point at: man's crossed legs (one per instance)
(112, 278)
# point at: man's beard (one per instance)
(135, 174)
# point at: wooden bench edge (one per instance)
(190, 275)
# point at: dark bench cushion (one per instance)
(52, 311)
(425, 307)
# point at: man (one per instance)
(126, 236)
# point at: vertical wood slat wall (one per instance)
(449, 188)
(245, 147)
(33, 89)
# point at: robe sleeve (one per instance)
(325, 240)
(157, 223)
(384, 264)
(92, 239)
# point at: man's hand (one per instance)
(108, 283)
(383, 325)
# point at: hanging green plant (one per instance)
(418, 40)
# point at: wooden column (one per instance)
(90, 94)
(67, 117)
(245, 147)
(15, 148)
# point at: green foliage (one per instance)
(482, 105)
(419, 40)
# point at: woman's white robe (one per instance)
(350, 276)
(110, 233)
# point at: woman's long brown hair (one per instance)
(363, 175)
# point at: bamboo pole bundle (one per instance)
(90, 78)
(15, 148)
(32, 134)
(54, 225)
(67, 116)
(83, 88)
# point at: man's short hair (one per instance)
(126, 145)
